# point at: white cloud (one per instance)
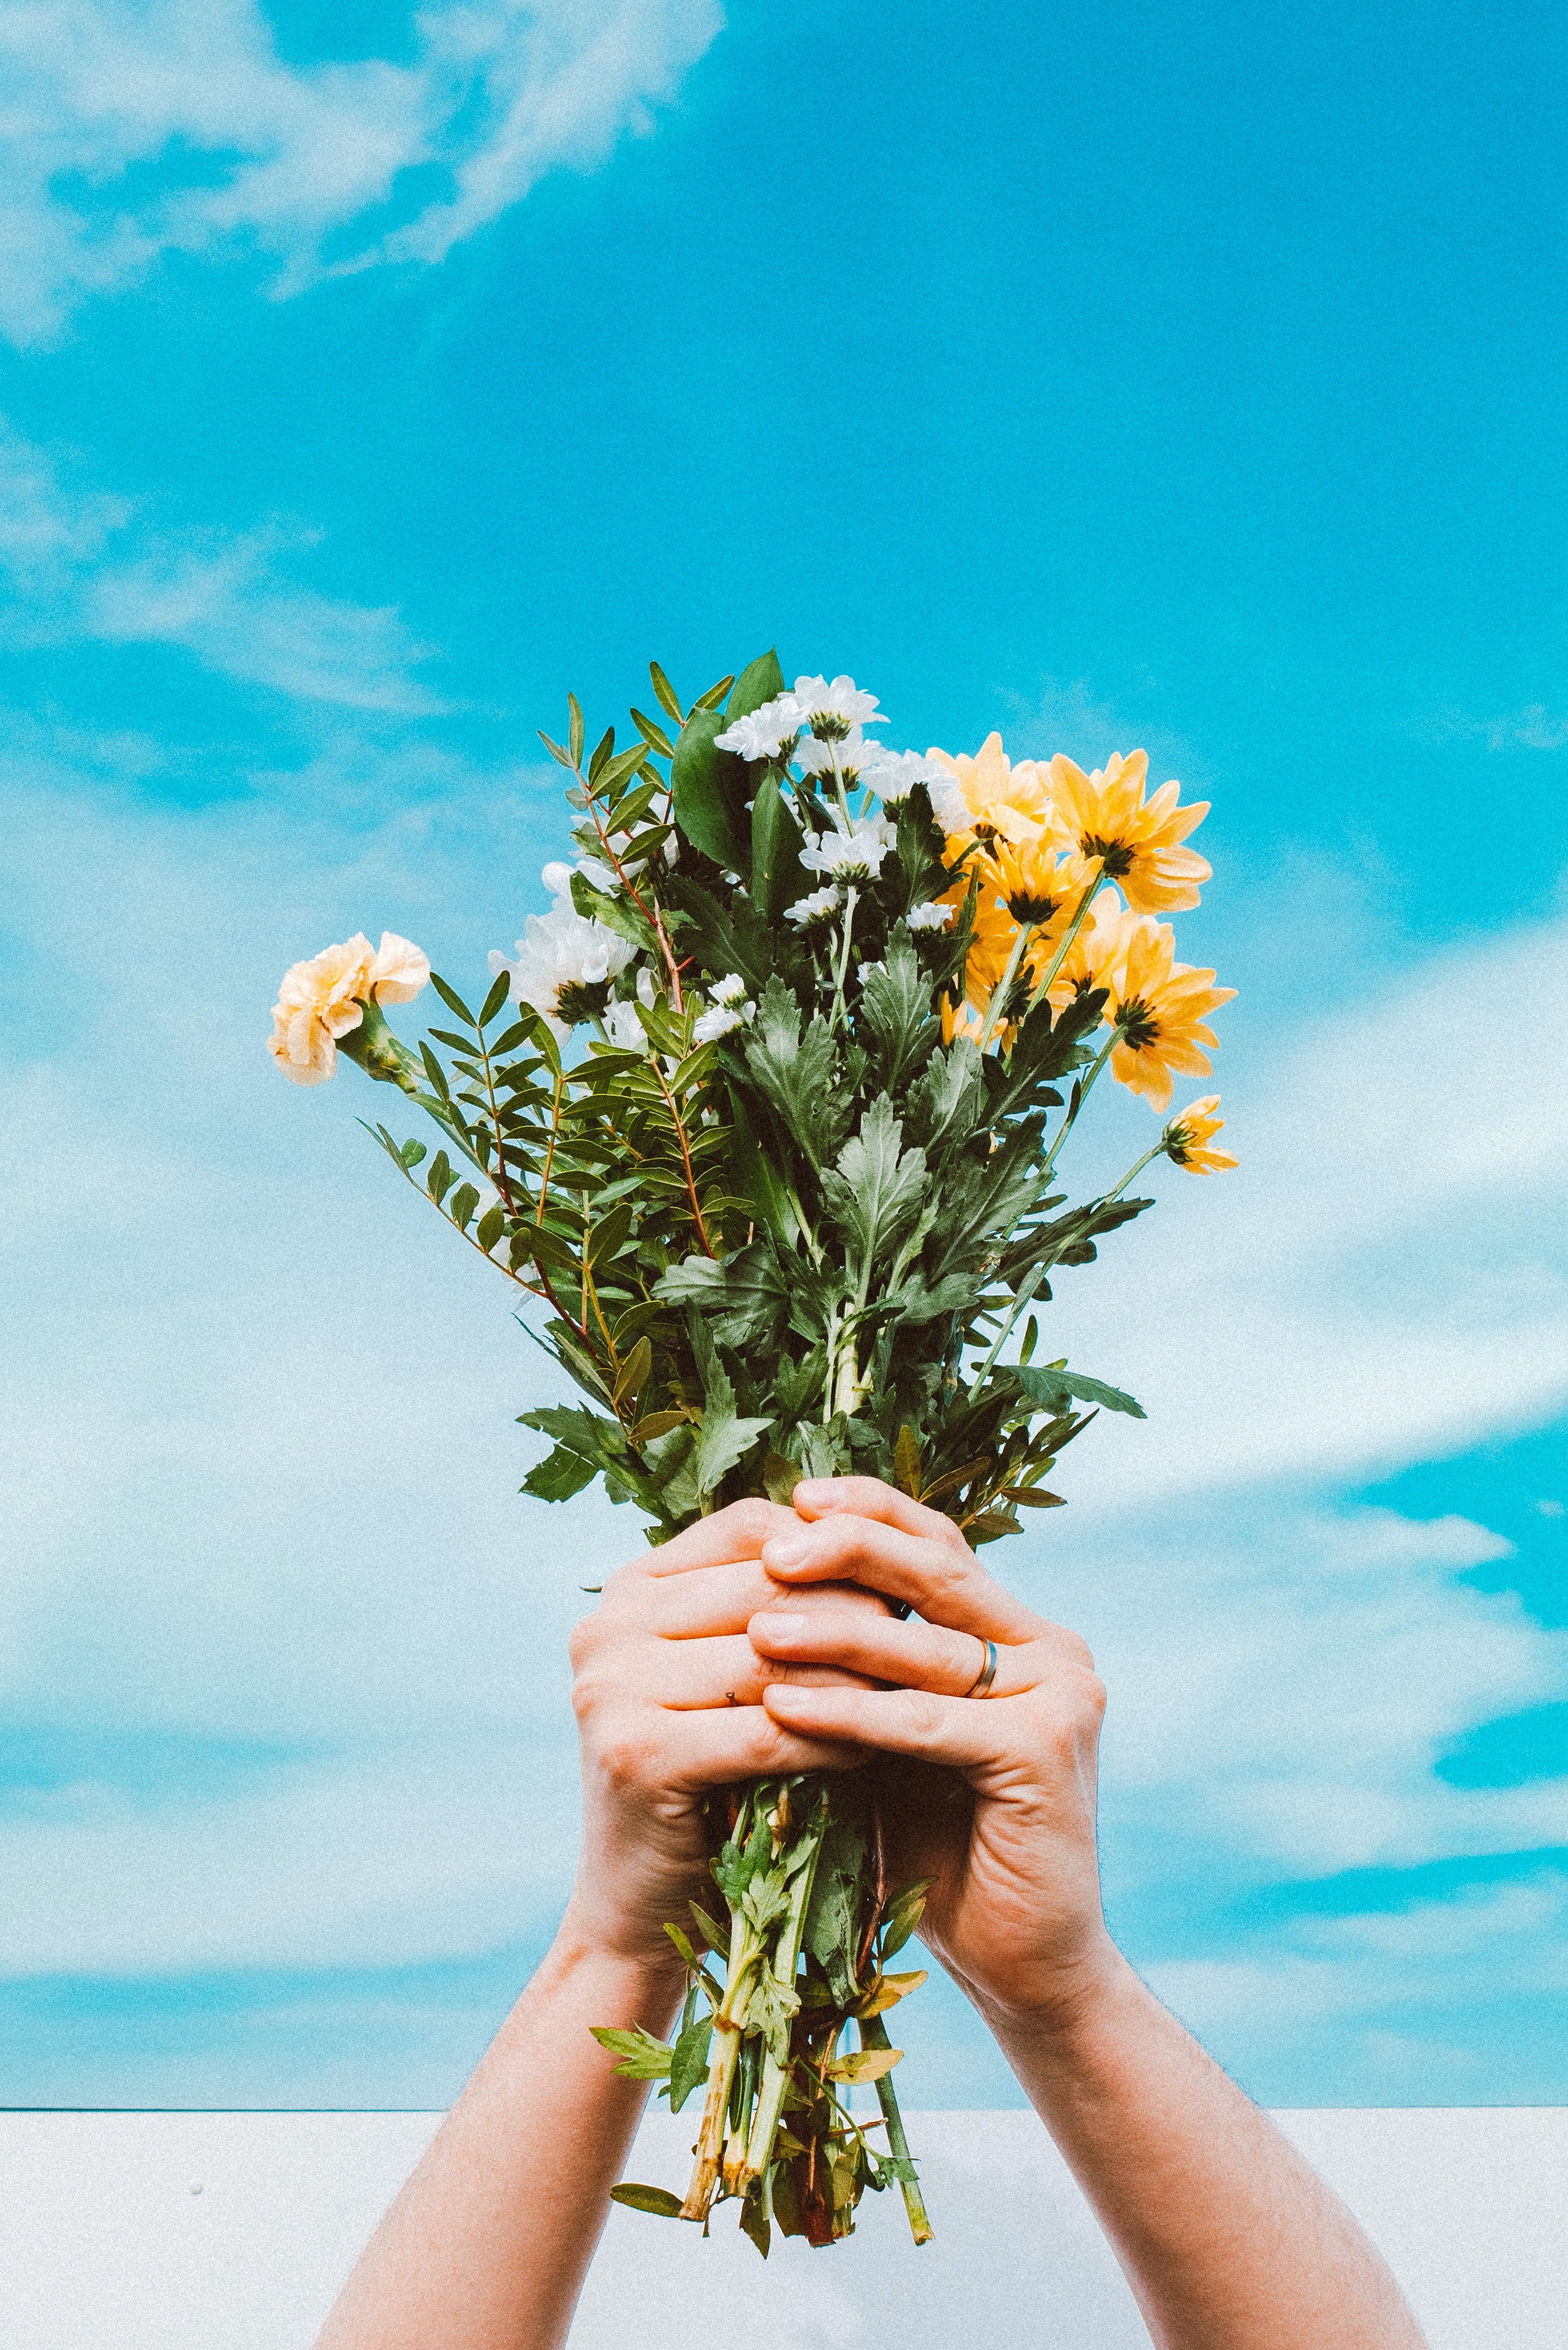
(84, 564)
(250, 152)
(1385, 1279)
(1532, 728)
(257, 1440)
(442, 1852)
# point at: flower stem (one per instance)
(873, 2035)
(1074, 927)
(1112, 1041)
(1003, 988)
(850, 902)
(786, 1958)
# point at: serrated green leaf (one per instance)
(558, 1476)
(689, 2066)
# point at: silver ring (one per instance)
(987, 1672)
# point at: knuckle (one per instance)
(622, 1758)
(922, 1713)
(752, 1521)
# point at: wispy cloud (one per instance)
(131, 129)
(82, 563)
(255, 1427)
(1386, 1278)
(1534, 728)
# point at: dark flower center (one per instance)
(1116, 858)
(581, 1000)
(1138, 1024)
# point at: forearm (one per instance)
(1228, 2240)
(490, 2241)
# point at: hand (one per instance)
(1015, 1911)
(669, 1699)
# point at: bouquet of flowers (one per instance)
(764, 1117)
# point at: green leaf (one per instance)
(875, 1192)
(761, 680)
(642, 2058)
(896, 1012)
(614, 914)
(665, 694)
(1053, 1387)
(832, 1918)
(464, 1200)
(438, 1182)
(755, 2221)
(904, 1916)
(658, 2200)
(723, 1439)
(695, 1280)
(710, 788)
(724, 936)
(689, 2066)
(452, 1000)
(411, 1153)
(634, 1371)
(558, 1476)
(776, 874)
(780, 1477)
(716, 1936)
(796, 1072)
(865, 2063)
(653, 733)
(492, 1224)
(1033, 1497)
(496, 998)
(907, 1462)
(575, 729)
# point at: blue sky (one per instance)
(1188, 379)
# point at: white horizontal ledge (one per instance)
(233, 2231)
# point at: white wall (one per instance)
(105, 2243)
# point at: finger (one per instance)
(965, 1732)
(719, 1600)
(685, 1674)
(869, 1497)
(941, 1580)
(738, 1532)
(908, 1656)
(720, 1744)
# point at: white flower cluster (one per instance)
(851, 856)
(817, 707)
(730, 1008)
(559, 953)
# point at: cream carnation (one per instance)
(318, 1002)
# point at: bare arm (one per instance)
(1228, 2240)
(488, 2243)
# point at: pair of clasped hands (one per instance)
(762, 1641)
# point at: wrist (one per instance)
(587, 1944)
(1054, 2006)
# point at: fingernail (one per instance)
(812, 1489)
(779, 1623)
(783, 1550)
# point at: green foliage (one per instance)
(797, 1247)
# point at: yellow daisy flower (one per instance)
(1038, 883)
(1187, 1138)
(989, 798)
(991, 942)
(1104, 815)
(1160, 1006)
(1092, 958)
